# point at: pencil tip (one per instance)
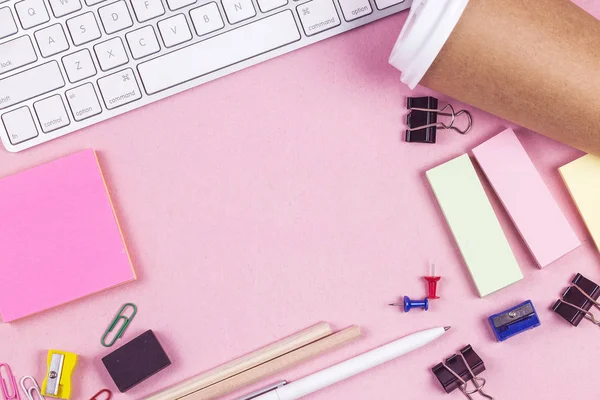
(446, 328)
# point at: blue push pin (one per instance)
(408, 304)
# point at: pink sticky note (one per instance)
(528, 201)
(59, 237)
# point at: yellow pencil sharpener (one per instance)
(57, 382)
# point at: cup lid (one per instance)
(425, 32)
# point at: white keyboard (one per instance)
(68, 64)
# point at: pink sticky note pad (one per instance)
(59, 237)
(527, 199)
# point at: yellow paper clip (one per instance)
(57, 382)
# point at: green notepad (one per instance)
(474, 225)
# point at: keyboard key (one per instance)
(83, 102)
(119, 89)
(29, 84)
(268, 5)
(8, 25)
(238, 10)
(174, 30)
(145, 10)
(318, 16)
(242, 43)
(16, 53)
(115, 17)
(177, 4)
(381, 4)
(60, 8)
(143, 42)
(207, 19)
(51, 40)
(83, 28)
(19, 125)
(355, 9)
(32, 13)
(111, 54)
(79, 65)
(51, 113)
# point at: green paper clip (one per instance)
(114, 323)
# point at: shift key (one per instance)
(29, 84)
(318, 16)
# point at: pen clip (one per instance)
(264, 390)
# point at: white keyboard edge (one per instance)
(148, 99)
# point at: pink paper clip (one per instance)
(15, 390)
(108, 395)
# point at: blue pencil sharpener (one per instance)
(514, 321)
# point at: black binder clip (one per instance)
(459, 369)
(576, 301)
(422, 120)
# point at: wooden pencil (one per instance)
(277, 365)
(244, 363)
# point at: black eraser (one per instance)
(136, 361)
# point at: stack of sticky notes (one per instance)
(582, 178)
(525, 197)
(519, 186)
(60, 239)
(474, 225)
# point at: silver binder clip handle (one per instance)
(440, 125)
(478, 382)
(469, 122)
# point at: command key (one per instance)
(318, 16)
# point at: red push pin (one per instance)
(432, 281)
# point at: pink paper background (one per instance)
(259, 204)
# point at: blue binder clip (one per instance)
(514, 321)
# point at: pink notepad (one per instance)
(528, 201)
(59, 237)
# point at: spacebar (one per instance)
(219, 52)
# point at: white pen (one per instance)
(348, 368)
